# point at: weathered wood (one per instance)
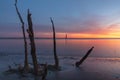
(26, 66)
(32, 43)
(19, 69)
(54, 45)
(66, 36)
(84, 57)
(45, 71)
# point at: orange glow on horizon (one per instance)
(112, 31)
(112, 35)
(81, 35)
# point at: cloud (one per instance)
(90, 26)
(115, 26)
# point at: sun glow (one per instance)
(81, 35)
(109, 35)
(111, 31)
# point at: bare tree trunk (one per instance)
(84, 57)
(54, 45)
(33, 48)
(66, 36)
(26, 66)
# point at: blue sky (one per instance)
(70, 16)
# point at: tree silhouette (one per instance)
(26, 66)
(54, 45)
(32, 43)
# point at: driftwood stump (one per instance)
(32, 42)
(54, 45)
(84, 57)
(26, 66)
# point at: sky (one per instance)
(76, 18)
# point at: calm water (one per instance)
(102, 65)
(70, 47)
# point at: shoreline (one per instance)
(91, 69)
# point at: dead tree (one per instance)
(84, 57)
(54, 45)
(66, 36)
(45, 72)
(26, 66)
(32, 43)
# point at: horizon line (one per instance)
(51, 38)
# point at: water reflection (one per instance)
(65, 47)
